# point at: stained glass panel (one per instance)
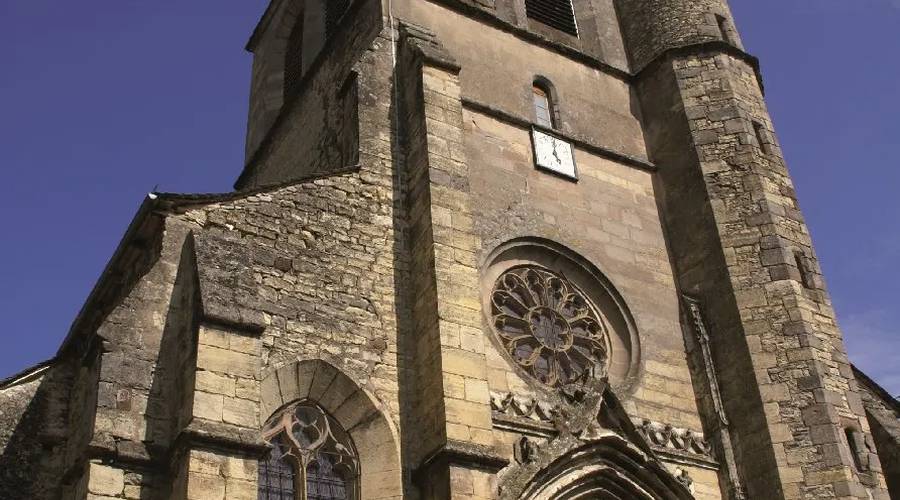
(276, 478)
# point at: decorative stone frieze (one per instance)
(594, 448)
(526, 408)
(673, 443)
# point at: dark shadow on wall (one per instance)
(32, 460)
(888, 448)
(170, 399)
(406, 343)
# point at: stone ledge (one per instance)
(529, 36)
(584, 144)
(699, 48)
(457, 453)
(523, 426)
(425, 43)
(213, 435)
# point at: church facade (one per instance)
(512, 249)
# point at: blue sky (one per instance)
(101, 101)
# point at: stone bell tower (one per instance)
(739, 244)
(513, 249)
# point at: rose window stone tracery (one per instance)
(548, 326)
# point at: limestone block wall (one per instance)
(599, 38)
(883, 414)
(322, 257)
(27, 432)
(268, 45)
(778, 283)
(133, 379)
(650, 27)
(610, 218)
(747, 255)
(225, 409)
(227, 378)
(216, 476)
(595, 105)
(315, 131)
(102, 482)
(453, 402)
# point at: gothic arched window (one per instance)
(544, 107)
(312, 457)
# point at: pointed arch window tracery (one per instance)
(549, 327)
(312, 457)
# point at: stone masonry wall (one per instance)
(594, 106)
(310, 135)
(454, 402)
(267, 77)
(780, 324)
(325, 260)
(322, 256)
(26, 471)
(883, 414)
(652, 26)
(801, 362)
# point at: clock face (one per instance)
(554, 154)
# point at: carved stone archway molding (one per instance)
(597, 451)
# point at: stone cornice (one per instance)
(487, 17)
(424, 43)
(576, 55)
(580, 143)
(720, 46)
(219, 436)
(462, 454)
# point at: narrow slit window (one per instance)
(557, 14)
(543, 106)
(803, 267)
(724, 28)
(762, 137)
(858, 449)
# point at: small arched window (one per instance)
(312, 457)
(544, 107)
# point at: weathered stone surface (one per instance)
(388, 184)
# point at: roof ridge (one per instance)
(889, 399)
(178, 199)
(26, 373)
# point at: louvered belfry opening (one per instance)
(557, 14)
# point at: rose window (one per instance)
(548, 326)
